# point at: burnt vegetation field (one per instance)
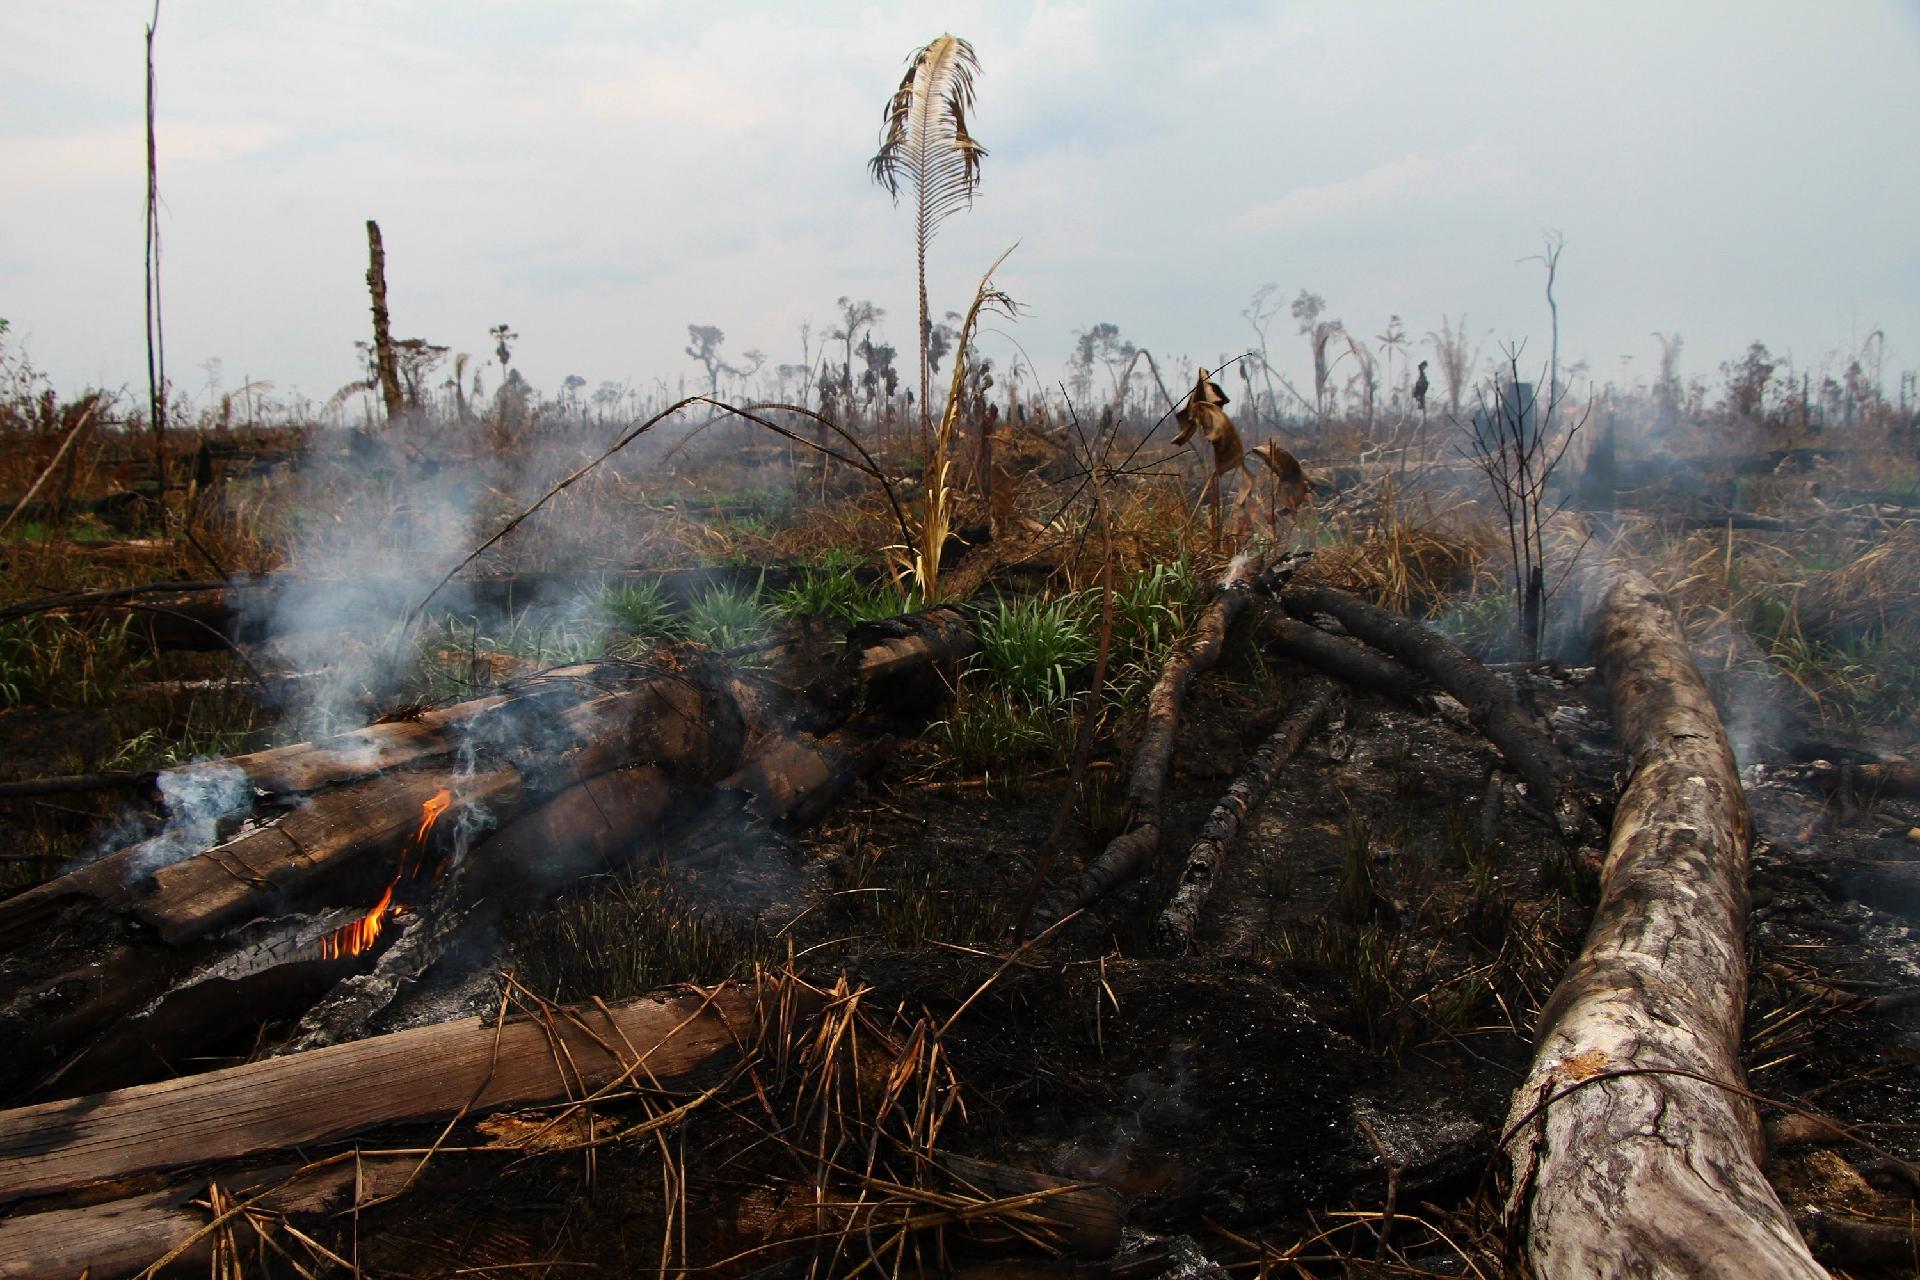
(889, 813)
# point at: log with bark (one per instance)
(1174, 930)
(1135, 846)
(1550, 777)
(1634, 1149)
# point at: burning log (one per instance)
(1146, 787)
(1175, 928)
(1634, 1148)
(547, 783)
(1493, 709)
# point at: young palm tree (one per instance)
(924, 141)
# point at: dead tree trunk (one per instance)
(1147, 786)
(1633, 1148)
(387, 369)
(1547, 772)
(1175, 928)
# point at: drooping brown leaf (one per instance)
(1203, 413)
(1291, 482)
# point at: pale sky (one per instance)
(600, 174)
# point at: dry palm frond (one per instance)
(924, 140)
(1203, 413)
(939, 512)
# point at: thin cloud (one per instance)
(1398, 185)
(34, 164)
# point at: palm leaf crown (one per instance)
(924, 137)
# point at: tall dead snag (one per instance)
(1625, 1160)
(1493, 709)
(1175, 928)
(385, 367)
(1146, 788)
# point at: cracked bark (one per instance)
(1624, 1160)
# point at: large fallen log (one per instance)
(1633, 1147)
(1494, 711)
(1135, 846)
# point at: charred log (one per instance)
(1492, 707)
(1174, 931)
(1633, 1148)
(1134, 847)
(1343, 659)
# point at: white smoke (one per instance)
(197, 799)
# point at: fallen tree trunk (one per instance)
(1147, 785)
(282, 1103)
(1174, 931)
(125, 1237)
(1493, 709)
(1633, 1147)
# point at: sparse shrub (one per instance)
(56, 661)
(831, 588)
(1031, 649)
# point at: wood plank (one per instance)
(334, 1092)
(123, 1237)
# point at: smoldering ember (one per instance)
(1410, 805)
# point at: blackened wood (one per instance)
(1174, 931)
(1345, 659)
(1492, 707)
(1134, 847)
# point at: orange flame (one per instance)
(355, 937)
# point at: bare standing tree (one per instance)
(1512, 440)
(1307, 309)
(1393, 342)
(1549, 257)
(855, 319)
(1457, 357)
(156, 336)
(704, 346)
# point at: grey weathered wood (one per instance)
(1654, 1172)
(281, 1103)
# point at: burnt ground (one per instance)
(1355, 1012)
